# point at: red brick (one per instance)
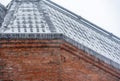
(51, 60)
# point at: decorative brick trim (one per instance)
(61, 37)
(90, 59)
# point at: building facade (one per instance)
(42, 41)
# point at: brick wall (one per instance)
(77, 69)
(50, 60)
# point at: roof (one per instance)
(43, 19)
(2, 13)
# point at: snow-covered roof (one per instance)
(45, 18)
(2, 13)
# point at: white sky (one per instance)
(104, 13)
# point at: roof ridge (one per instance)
(27, 0)
(41, 17)
(46, 17)
(28, 21)
(3, 11)
(111, 36)
(8, 18)
(1, 5)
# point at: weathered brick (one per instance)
(51, 61)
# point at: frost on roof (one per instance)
(80, 32)
(2, 13)
(46, 17)
(26, 17)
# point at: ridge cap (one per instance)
(108, 34)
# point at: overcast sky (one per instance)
(104, 13)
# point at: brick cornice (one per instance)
(58, 43)
(91, 59)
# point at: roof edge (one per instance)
(81, 20)
(109, 35)
(39, 36)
